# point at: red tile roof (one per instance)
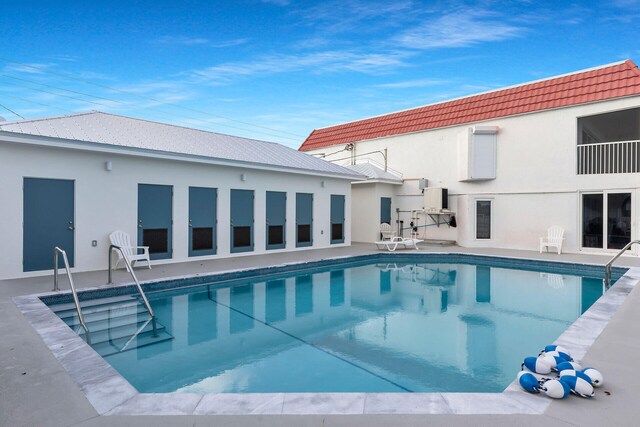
(598, 84)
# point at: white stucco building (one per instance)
(70, 181)
(560, 151)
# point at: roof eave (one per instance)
(17, 137)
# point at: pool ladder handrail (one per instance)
(133, 275)
(56, 288)
(607, 267)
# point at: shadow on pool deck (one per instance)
(35, 390)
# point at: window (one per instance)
(483, 219)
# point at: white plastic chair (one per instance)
(120, 238)
(555, 236)
(386, 231)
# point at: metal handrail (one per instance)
(607, 267)
(56, 251)
(133, 275)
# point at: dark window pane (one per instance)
(276, 235)
(304, 233)
(241, 237)
(592, 229)
(336, 232)
(618, 220)
(202, 238)
(483, 219)
(156, 239)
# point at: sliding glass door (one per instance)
(606, 220)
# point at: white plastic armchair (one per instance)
(121, 239)
(386, 232)
(555, 236)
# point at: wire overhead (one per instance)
(11, 111)
(43, 70)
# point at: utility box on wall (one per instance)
(436, 199)
(477, 151)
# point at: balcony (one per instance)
(609, 143)
(609, 157)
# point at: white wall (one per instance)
(106, 201)
(366, 210)
(536, 185)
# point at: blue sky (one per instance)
(277, 69)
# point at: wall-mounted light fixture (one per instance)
(243, 177)
(322, 184)
(108, 165)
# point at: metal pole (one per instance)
(109, 255)
(55, 270)
(385, 159)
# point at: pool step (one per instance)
(94, 303)
(108, 348)
(124, 331)
(105, 313)
(115, 324)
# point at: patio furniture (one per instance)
(392, 244)
(554, 239)
(121, 239)
(386, 232)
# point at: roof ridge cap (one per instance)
(185, 127)
(40, 119)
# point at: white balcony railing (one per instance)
(609, 157)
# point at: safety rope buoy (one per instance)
(570, 379)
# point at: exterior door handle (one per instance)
(139, 225)
(71, 228)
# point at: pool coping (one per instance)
(111, 394)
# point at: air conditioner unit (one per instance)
(436, 199)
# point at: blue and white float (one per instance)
(596, 377)
(568, 365)
(528, 382)
(553, 361)
(571, 378)
(537, 364)
(560, 354)
(555, 389)
(578, 386)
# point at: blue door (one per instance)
(155, 219)
(48, 209)
(202, 221)
(242, 220)
(276, 219)
(385, 210)
(304, 219)
(337, 218)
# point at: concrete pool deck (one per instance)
(36, 390)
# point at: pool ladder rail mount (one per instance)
(56, 288)
(607, 267)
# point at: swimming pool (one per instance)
(377, 324)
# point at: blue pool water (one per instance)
(381, 327)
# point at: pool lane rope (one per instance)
(570, 377)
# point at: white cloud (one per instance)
(199, 41)
(458, 29)
(318, 62)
